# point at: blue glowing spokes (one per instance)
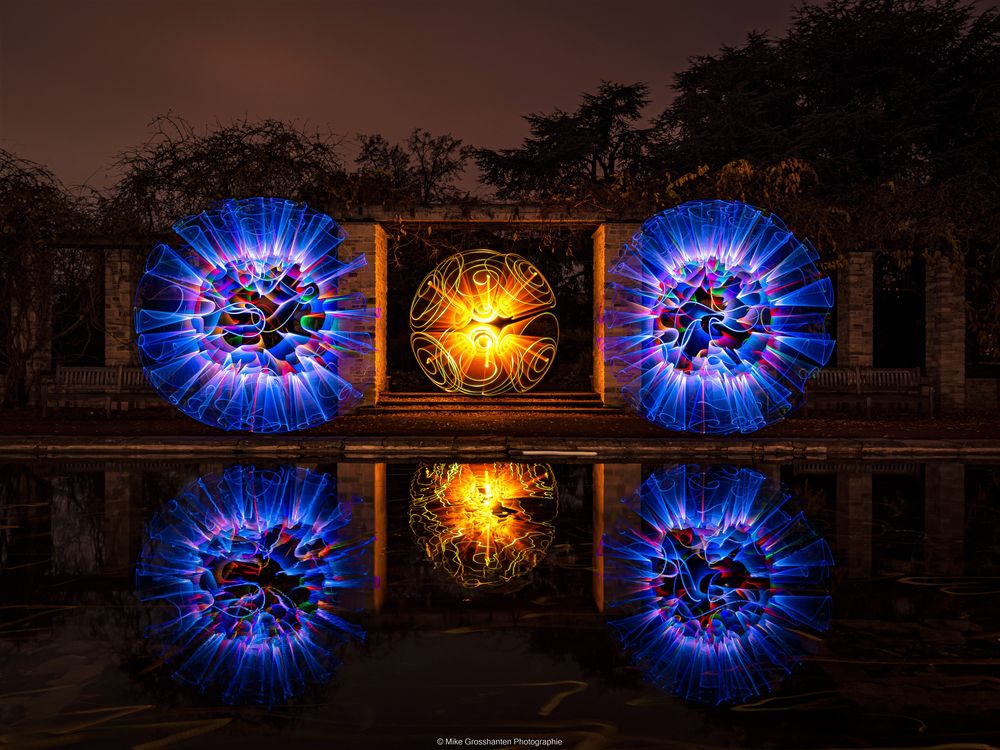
(719, 587)
(247, 567)
(718, 318)
(245, 328)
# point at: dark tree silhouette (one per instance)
(892, 105)
(180, 171)
(573, 152)
(866, 91)
(422, 171)
(36, 210)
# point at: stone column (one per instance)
(122, 490)
(612, 484)
(368, 371)
(598, 538)
(609, 239)
(122, 269)
(854, 524)
(945, 342)
(366, 481)
(944, 519)
(597, 381)
(379, 569)
(855, 306)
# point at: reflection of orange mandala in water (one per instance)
(484, 524)
(482, 324)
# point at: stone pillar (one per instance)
(855, 310)
(366, 482)
(945, 342)
(609, 239)
(122, 489)
(598, 538)
(613, 483)
(854, 524)
(944, 519)
(379, 569)
(368, 372)
(122, 269)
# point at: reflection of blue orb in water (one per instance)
(718, 318)
(247, 327)
(246, 569)
(718, 586)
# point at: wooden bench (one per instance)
(898, 386)
(869, 386)
(840, 386)
(134, 390)
(109, 386)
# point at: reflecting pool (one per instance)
(185, 604)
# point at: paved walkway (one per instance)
(607, 435)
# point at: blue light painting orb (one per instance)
(246, 327)
(245, 573)
(717, 318)
(720, 592)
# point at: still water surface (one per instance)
(598, 606)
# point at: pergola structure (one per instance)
(944, 295)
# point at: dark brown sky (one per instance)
(81, 79)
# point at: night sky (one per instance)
(80, 81)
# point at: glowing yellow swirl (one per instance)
(481, 324)
(484, 524)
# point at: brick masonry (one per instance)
(613, 484)
(363, 486)
(855, 311)
(945, 332)
(854, 524)
(368, 372)
(122, 520)
(122, 269)
(609, 240)
(597, 376)
(944, 511)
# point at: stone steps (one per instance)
(564, 402)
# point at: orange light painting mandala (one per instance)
(484, 525)
(482, 324)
